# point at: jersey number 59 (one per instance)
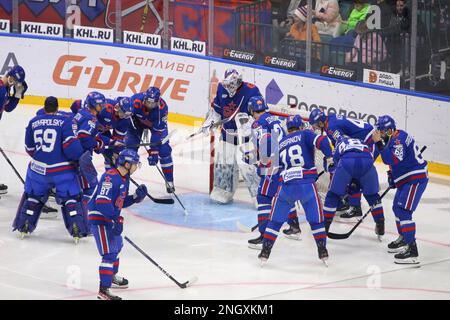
(45, 139)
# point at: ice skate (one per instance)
(379, 229)
(76, 234)
(352, 215)
(24, 231)
(408, 256)
(323, 252)
(104, 294)
(265, 252)
(293, 232)
(343, 207)
(397, 245)
(170, 187)
(256, 243)
(3, 188)
(119, 282)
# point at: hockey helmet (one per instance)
(257, 104)
(125, 107)
(232, 81)
(316, 116)
(17, 73)
(128, 155)
(152, 96)
(294, 122)
(385, 123)
(94, 99)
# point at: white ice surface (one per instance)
(48, 265)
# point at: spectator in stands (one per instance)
(328, 17)
(359, 13)
(373, 49)
(401, 18)
(298, 30)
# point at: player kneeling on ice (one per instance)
(267, 131)
(106, 222)
(50, 139)
(299, 173)
(232, 97)
(409, 174)
(354, 163)
(14, 81)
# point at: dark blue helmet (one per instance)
(315, 116)
(385, 122)
(18, 73)
(257, 104)
(128, 155)
(125, 105)
(152, 95)
(93, 99)
(294, 122)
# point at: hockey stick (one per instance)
(181, 285)
(176, 197)
(46, 209)
(337, 236)
(218, 123)
(243, 228)
(148, 144)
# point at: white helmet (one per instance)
(232, 81)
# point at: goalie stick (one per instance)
(338, 236)
(46, 208)
(181, 285)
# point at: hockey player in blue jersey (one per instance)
(409, 175)
(106, 221)
(114, 121)
(298, 174)
(267, 131)
(88, 134)
(12, 89)
(335, 126)
(150, 112)
(354, 162)
(232, 97)
(51, 141)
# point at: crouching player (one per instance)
(265, 129)
(299, 173)
(106, 222)
(354, 163)
(51, 141)
(409, 174)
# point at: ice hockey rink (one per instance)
(206, 243)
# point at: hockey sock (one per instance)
(318, 231)
(271, 232)
(292, 217)
(407, 226)
(116, 265)
(377, 211)
(354, 199)
(397, 223)
(264, 207)
(331, 203)
(106, 273)
(167, 168)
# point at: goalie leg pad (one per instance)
(74, 218)
(28, 214)
(251, 178)
(226, 173)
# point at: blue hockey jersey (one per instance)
(353, 147)
(155, 119)
(403, 156)
(7, 103)
(87, 129)
(337, 125)
(297, 155)
(225, 106)
(110, 197)
(109, 121)
(52, 143)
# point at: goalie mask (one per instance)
(232, 81)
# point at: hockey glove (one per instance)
(153, 156)
(19, 90)
(140, 193)
(118, 146)
(391, 180)
(100, 148)
(328, 164)
(118, 226)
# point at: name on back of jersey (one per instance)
(294, 139)
(47, 122)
